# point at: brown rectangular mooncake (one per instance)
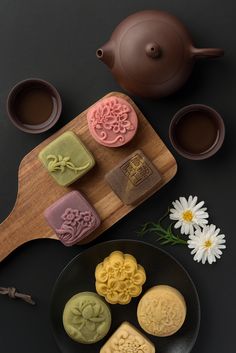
(134, 178)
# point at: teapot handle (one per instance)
(207, 52)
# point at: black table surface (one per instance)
(56, 40)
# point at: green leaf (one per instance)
(165, 235)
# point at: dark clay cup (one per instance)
(27, 85)
(204, 110)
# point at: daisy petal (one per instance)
(182, 230)
(194, 201)
(177, 205)
(174, 217)
(198, 206)
(178, 224)
(184, 202)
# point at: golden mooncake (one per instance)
(119, 278)
(127, 339)
(161, 311)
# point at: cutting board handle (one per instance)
(24, 223)
(10, 234)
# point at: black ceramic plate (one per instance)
(161, 268)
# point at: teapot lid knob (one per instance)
(153, 50)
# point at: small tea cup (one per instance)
(28, 102)
(197, 131)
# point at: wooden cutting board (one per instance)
(37, 190)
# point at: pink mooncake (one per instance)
(112, 121)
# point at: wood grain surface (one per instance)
(37, 189)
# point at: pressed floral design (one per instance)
(119, 278)
(127, 339)
(161, 311)
(112, 116)
(86, 318)
(60, 163)
(110, 290)
(87, 315)
(71, 217)
(75, 224)
(127, 290)
(126, 343)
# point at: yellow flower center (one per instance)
(187, 216)
(208, 244)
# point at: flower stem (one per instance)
(165, 235)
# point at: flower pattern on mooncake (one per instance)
(127, 339)
(112, 121)
(60, 163)
(86, 318)
(75, 224)
(66, 158)
(119, 278)
(72, 218)
(161, 311)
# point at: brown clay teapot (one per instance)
(151, 54)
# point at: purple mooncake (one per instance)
(72, 218)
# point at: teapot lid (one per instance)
(153, 48)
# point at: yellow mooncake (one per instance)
(127, 339)
(119, 278)
(161, 311)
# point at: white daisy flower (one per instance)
(189, 214)
(207, 244)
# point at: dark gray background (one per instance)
(56, 40)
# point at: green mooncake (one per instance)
(66, 158)
(86, 318)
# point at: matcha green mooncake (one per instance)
(86, 318)
(66, 158)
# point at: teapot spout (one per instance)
(106, 54)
